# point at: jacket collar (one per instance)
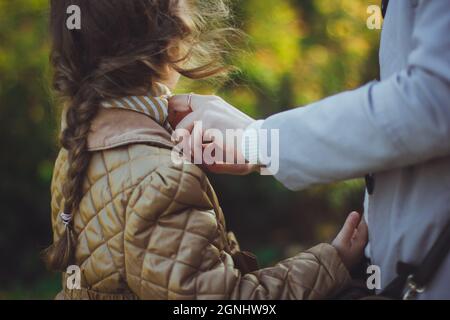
(114, 128)
(130, 120)
(155, 104)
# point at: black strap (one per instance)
(384, 6)
(433, 259)
(370, 183)
(421, 275)
(394, 290)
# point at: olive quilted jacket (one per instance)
(148, 228)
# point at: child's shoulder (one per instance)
(149, 169)
(142, 162)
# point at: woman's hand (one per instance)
(190, 112)
(351, 240)
(212, 111)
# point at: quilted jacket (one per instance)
(149, 228)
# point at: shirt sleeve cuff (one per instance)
(250, 143)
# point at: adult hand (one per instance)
(212, 112)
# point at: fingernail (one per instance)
(175, 138)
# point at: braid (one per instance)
(79, 116)
(74, 140)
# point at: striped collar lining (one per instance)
(154, 105)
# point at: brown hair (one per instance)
(123, 46)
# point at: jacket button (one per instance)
(370, 183)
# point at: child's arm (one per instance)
(174, 250)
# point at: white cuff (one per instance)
(250, 143)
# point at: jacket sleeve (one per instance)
(174, 249)
(400, 121)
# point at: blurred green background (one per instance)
(296, 52)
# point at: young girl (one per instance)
(137, 224)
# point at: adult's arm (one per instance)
(400, 121)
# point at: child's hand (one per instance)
(351, 240)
